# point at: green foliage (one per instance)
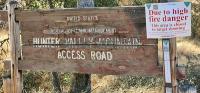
(138, 81)
(35, 4)
(196, 19)
(55, 3)
(42, 81)
(36, 81)
(140, 2)
(46, 4)
(106, 3)
(2, 4)
(66, 79)
(70, 3)
(193, 75)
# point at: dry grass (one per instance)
(185, 47)
(107, 84)
(188, 51)
(3, 34)
(188, 47)
(4, 52)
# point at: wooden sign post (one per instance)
(168, 66)
(170, 63)
(14, 36)
(169, 55)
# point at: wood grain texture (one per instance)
(7, 85)
(4, 16)
(181, 73)
(129, 22)
(14, 35)
(7, 64)
(139, 61)
(173, 55)
(3, 20)
(137, 14)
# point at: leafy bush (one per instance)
(140, 2)
(193, 76)
(35, 81)
(106, 3)
(138, 81)
(196, 19)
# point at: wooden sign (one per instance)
(3, 15)
(91, 40)
(3, 19)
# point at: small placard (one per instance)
(85, 3)
(168, 20)
(167, 61)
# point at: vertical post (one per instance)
(170, 87)
(173, 64)
(82, 82)
(169, 68)
(169, 59)
(7, 84)
(14, 47)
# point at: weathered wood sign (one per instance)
(91, 40)
(4, 19)
(4, 15)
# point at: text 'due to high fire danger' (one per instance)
(168, 20)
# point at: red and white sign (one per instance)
(168, 20)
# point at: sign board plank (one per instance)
(3, 15)
(4, 19)
(124, 61)
(91, 40)
(63, 15)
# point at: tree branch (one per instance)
(50, 4)
(2, 50)
(3, 41)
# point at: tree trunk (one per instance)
(81, 83)
(56, 82)
(50, 3)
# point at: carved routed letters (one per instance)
(91, 40)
